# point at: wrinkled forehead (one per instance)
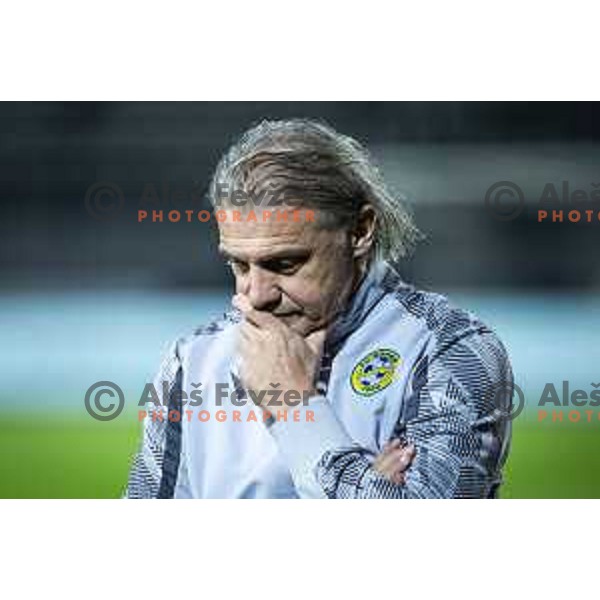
(244, 234)
(262, 224)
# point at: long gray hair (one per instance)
(322, 169)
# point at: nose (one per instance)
(262, 289)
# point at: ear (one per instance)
(363, 233)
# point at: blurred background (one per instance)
(88, 293)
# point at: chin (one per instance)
(306, 327)
(300, 324)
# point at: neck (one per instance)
(362, 267)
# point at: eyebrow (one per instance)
(289, 253)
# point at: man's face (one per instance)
(297, 271)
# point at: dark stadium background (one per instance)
(85, 299)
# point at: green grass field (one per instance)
(61, 456)
(553, 460)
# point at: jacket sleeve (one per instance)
(158, 470)
(455, 414)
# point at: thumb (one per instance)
(316, 341)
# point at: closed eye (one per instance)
(238, 266)
(284, 265)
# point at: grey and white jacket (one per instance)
(398, 363)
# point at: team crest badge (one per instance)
(375, 371)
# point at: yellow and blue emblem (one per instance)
(375, 371)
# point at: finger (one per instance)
(398, 478)
(389, 446)
(395, 443)
(260, 319)
(395, 476)
(248, 343)
(401, 459)
(387, 463)
(316, 341)
(408, 452)
(378, 462)
(249, 331)
(386, 458)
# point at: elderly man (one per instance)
(384, 391)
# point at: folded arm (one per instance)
(455, 415)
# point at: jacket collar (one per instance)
(380, 278)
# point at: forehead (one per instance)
(253, 239)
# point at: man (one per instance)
(389, 392)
